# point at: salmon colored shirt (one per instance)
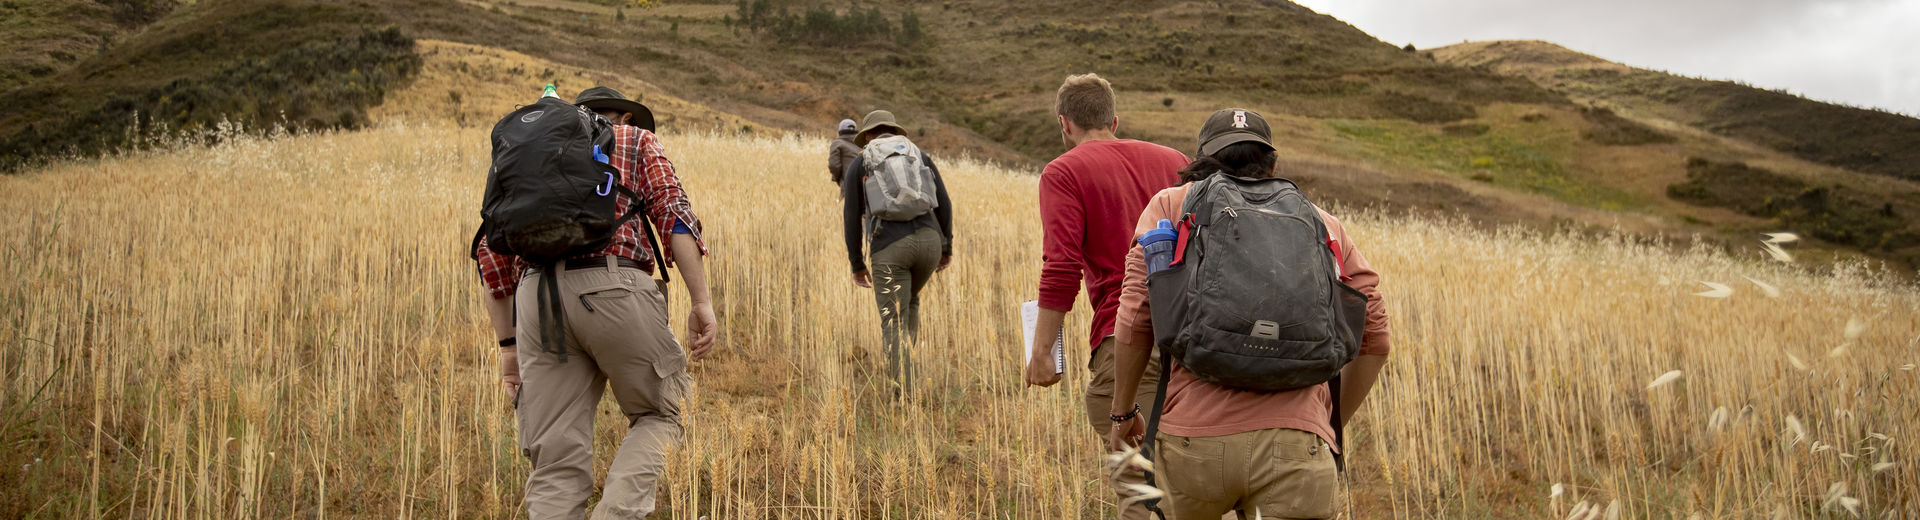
(1197, 408)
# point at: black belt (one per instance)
(600, 262)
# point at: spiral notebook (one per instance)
(1029, 318)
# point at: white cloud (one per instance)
(1858, 52)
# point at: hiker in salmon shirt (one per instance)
(1260, 365)
(1089, 199)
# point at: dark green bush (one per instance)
(319, 84)
(1606, 127)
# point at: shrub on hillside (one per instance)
(1606, 127)
(823, 26)
(319, 84)
(1832, 213)
(1421, 109)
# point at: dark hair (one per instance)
(1246, 159)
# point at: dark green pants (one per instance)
(899, 272)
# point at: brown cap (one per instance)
(1233, 125)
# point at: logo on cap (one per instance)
(1239, 119)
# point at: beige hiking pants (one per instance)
(1099, 402)
(1282, 473)
(617, 333)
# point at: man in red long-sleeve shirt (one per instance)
(1090, 198)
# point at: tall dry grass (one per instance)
(290, 328)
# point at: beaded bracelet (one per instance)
(1128, 416)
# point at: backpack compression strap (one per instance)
(553, 326)
(1153, 427)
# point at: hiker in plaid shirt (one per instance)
(616, 315)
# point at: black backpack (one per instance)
(1254, 299)
(551, 194)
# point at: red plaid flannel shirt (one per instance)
(634, 150)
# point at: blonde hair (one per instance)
(1087, 101)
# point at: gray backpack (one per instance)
(899, 184)
(1255, 299)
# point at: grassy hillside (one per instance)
(255, 63)
(1844, 175)
(44, 37)
(1868, 141)
(309, 343)
(1359, 121)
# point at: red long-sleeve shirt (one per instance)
(1090, 198)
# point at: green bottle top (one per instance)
(550, 92)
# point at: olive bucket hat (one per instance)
(876, 120)
(604, 98)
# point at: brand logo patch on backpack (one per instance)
(532, 116)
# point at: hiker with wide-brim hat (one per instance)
(606, 98)
(617, 334)
(894, 199)
(878, 122)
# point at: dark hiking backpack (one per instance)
(551, 194)
(1254, 299)
(548, 197)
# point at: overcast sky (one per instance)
(1860, 52)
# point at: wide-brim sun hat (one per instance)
(606, 98)
(876, 120)
(1232, 126)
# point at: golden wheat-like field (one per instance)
(291, 328)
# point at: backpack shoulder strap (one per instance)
(1153, 429)
(638, 210)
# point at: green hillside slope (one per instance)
(1852, 185)
(1360, 122)
(1858, 139)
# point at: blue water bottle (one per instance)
(1159, 243)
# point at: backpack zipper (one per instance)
(1232, 211)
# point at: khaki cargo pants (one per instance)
(617, 333)
(1099, 399)
(1281, 473)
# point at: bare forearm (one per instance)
(1129, 364)
(693, 269)
(1045, 330)
(1356, 381)
(500, 312)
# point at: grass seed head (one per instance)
(1765, 288)
(1779, 254)
(1799, 430)
(1715, 290)
(1669, 377)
